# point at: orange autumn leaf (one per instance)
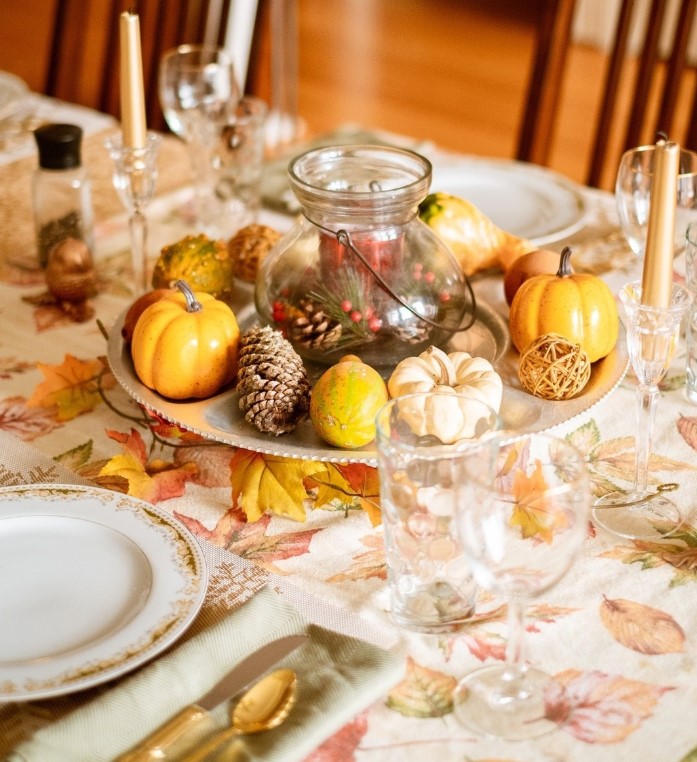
(348, 484)
(532, 512)
(642, 628)
(250, 540)
(423, 692)
(600, 708)
(154, 480)
(71, 387)
(263, 483)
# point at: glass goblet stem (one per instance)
(138, 230)
(515, 647)
(646, 401)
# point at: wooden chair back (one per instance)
(662, 89)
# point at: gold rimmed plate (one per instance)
(93, 583)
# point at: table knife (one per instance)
(195, 715)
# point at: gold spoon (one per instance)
(264, 706)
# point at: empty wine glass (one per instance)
(198, 90)
(652, 337)
(633, 195)
(522, 520)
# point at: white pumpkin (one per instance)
(448, 417)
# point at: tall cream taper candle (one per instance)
(131, 81)
(657, 277)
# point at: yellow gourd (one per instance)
(579, 307)
(186, 344)
(344, 403)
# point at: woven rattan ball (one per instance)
(554, 368)
(248, 247)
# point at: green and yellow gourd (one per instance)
(344, 403)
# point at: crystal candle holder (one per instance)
(652, 337)
(134, 176)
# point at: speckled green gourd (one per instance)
(203, 263)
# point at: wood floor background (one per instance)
(452, 71)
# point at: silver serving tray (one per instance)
(219, 419)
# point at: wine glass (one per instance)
(522, 520)
(198, 90)
(652, 336)
(633, 195)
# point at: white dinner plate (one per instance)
(92, 584)
(529, 201)
(12, 92)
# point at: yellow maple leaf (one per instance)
(349, 484)
(71, 387)
(263, 483)
(153, 481)
(532, 512)
(131, 469)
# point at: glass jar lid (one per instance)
(358, 180)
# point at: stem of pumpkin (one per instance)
(192, 304)
(565, 263)
(447, 371)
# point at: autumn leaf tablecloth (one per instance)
(619, 632)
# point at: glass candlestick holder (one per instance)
(652, 336)
(134, 176)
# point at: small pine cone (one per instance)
(314, 329)
(248, 247)
(274, 391)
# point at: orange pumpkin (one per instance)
(344, 403)
(579, 307)
(186, 344)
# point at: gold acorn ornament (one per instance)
(70, 273)
(71, 280)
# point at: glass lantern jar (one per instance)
(360, 273)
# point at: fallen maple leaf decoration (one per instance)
(154, 480)
(263, 483)
(347, 485)
(73, 387)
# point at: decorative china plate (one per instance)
(93, 583)
(218, 418)
(12, 91)
(529, 201)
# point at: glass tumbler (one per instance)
(430, 583)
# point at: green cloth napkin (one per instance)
(338, 676)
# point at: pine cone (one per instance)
(274, 390)
(314, 329)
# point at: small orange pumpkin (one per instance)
(186, 344)
(344, 403)
(580, 307)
